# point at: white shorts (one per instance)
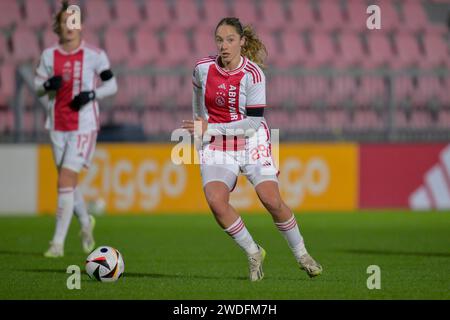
(73, 149)
(254, 161)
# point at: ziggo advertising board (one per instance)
(142, 179)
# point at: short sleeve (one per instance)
(103, 63)
(256, 90)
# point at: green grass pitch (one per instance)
(189, 257)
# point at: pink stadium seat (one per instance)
(408, 53)
(331, 15)
(148, 48)
(366, 119)
(184, 95)
(97, 14)
(403, 89)
(357, 16)
(158, 13)
(428, 89)
(117, 45)
(323, 50)
(49, 38)
(273, 50)
(214, 11)
(7, 83)
(25, 45)
(283, 90)
(380, 51)
(415, 16)
(245, 10)
(336, 119)
(371, 89)
(273, 13)
(38, 13)
(307, 120)
(294, 50)
(301, 16)
(342, 91)
(436, 51)
(187, 13)
(351, 50)
(444, 119)
(277, 118)
(4, 51)
(91, 38)
(6, 120)
(10, 13)
(204, 43)
(177, 49)
(166, 89)
(127, 13)
(314, 89)
(420, 119)
(390, 18)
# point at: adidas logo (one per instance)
(222, 86)
(434, 193)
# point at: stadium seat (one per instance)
(443, 119)
(166, 90)
(331, 15)
(367, 120)
(148, 49)
(415, 16)
(436, 51)
(187, 13)
(294, 49)
(314, 90)
(351, 53)
(301, 16)
(390, 18)
(4, 50)
(323, 50)
(357, 16)
(127, 13)
(177, 49)
(204, 43)
(158, 14)
(380, 51)
(403, 89)
(273, 49)
(117, 45)
(371, 90)
(342, 91)
(245, 10)
(7, 83)
(307, 120)
(428, 90)
(336, 119)
(97, 14)
(408, 53)
(49, 38)
(421, 119)
(10, 14)
(25, 45)
(214, 11)
(273, 13)
(38, 13)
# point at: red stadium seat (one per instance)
(10, 14)
(273, 13)
(127, 13)
(97, 14)
(158, 14)
(436, 51)
(187, 13)
(245, 10)
(214, 11)
(408, 53)
(117, 45)
(294, 49)
(301, 16)
(324, 52)
(331, 15)
(25, 45)
(380, 51)
(38, 13)
(148, 49)
(351, 50)
(177, 48)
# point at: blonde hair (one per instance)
(254, 49)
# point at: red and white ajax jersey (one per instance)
(79, 70)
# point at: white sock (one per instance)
(240, 234)
(291, 233)
(80, 209)
(64, 214)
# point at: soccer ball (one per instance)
(97, 206)
(105, 264)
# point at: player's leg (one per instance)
(269, 194)
(218, 182)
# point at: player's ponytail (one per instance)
(254, 49)
(58, 17)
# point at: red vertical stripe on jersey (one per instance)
(70, 68)
(222, 96)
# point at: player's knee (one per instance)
(67, 178)
(272, 204)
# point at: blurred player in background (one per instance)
(67, 74)
(229, 95)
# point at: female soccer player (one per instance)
(228, 100)
(67, 74)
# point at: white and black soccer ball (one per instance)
(105, 264)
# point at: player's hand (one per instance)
(189, 125)
(81, 99)
(53, 83)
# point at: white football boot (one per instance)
(255, 262)
(56, 250)
(87, 236)
(312, 268)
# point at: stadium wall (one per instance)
(142, 179)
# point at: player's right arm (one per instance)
(43, 80)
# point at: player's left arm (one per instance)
(107, 88)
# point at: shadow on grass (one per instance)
(397, 253)
(21, 253)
